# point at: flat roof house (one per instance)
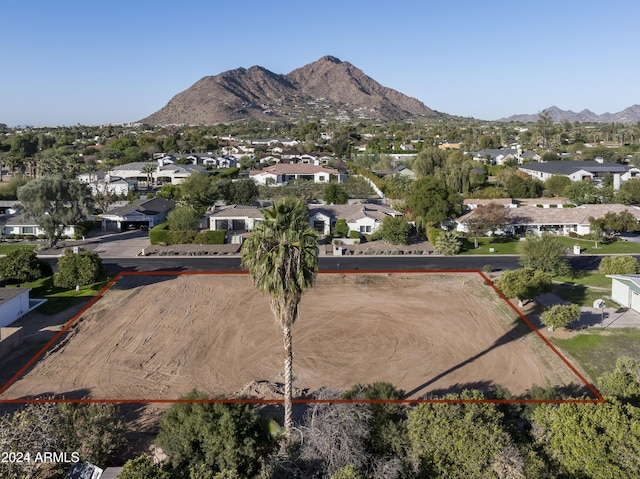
(282, 173)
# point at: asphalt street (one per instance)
(370, 263)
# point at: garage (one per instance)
(625, 290)
(135, 225)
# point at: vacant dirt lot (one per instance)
(158, 337)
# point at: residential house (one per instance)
(141, 214)
(164, 172)
(15, 303)
(586, 170)
(554, 219)
(18, 224)
(280, 174)
(625, 290)
(101, 182)
(365, 218)
(504, 156)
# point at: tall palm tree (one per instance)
(282, 258)
(149, 169)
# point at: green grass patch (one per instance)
(59, 299)
(499, 245)
(587, 278)
(598, 351)
(6, 248)
(588, 246)
(581, 294)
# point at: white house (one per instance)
(18, 225)
(163, 172)
(592, 171)
(282, 173)
(365, 218)
(14, 303)
(139, 214)
(553, 219)
(101, 182)
(625, 290)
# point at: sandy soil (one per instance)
(159, 337)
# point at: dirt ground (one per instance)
(158, 337)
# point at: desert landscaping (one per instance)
(158, 337)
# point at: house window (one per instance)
(28, 230)
(365, 229)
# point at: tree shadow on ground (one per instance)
(518, 331)
(132, 281)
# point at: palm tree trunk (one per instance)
(288, 379)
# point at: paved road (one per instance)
(185, 263)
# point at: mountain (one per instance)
(628, 115)
(328, 88)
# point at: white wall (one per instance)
(13, 309)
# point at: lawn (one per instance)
(6, 248)
(598, 351)
(510, 246)
(499, 245)
(590, 279)
(581, 294)
(59, 299)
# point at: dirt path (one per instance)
(160, 337)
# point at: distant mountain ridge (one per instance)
(628, 115)
(328, 87)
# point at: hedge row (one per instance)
(162, 235)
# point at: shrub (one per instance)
(211, 237)
(433, 233)
(487, 268)
(340, 229)
(619, 265)
(354, 234)
(82, 268)
(22, 266)
(159, 234)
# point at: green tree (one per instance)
(183, 217)
(524, 284)
(79, 269)
(629, 193)
(198, 191)
(582, 192)
(544, 253)
(142, 467)
(55, 203)
(449, 243)
(557, 184)
(347, 472)
(282, 258)
(243, 192)
(457, 439)
(96, 431)
(430, 199)
(616, 222)
(619, 265)
(428, 160)
(23, 266)
(477, 226)
(334, 194)
(341, 229)
(520, 187)
(560, 315)
(395, 230)
(221, 436)
(598, 441)
(623, 382)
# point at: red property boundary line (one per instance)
(600, 399)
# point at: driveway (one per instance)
(593, 317)
(128, 244)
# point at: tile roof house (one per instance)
(560, 221)
(18, 224)
(281, 173)
(363, 217)
(502, 156)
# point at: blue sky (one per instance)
(116, 61)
